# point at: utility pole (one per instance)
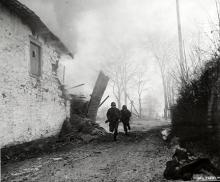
(181, 60)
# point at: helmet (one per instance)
(113, 104)
(124, 107)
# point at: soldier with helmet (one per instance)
(113, 116)
(125, 118)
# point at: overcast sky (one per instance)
(90, 28)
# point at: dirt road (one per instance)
(141, 156)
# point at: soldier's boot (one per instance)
(115, 138)
(125, 128)
(129, 128)
(126, 131)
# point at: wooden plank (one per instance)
(103, 101)
(98, 91)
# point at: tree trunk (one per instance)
(125, 99)
(140, 106)
(131, 102)
(125, 94)
(119, 99)
(165, 97)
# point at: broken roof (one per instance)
(29, 18)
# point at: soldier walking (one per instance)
(113, 116)
(125, 118)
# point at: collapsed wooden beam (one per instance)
(103, 101)
(98, 91)
(77, 86)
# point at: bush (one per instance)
(190, 113)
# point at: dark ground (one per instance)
(141, 156)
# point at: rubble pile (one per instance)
(78, 105)
(79, 126)
(186, 166)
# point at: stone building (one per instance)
(31, 102)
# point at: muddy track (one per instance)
(141, 156)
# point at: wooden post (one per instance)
(180, 39)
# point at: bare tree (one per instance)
(116, 84)
(162, 65)
(171, 91)
(150, 105)
(140, 81)
(121, 70)
(163, 54)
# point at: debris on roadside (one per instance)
(165, 133)
(81, 125)
(184, 165)
(79, 128)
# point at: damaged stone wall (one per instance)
(30, 108)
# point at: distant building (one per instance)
(31, 105)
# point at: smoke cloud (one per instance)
(96, 29)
